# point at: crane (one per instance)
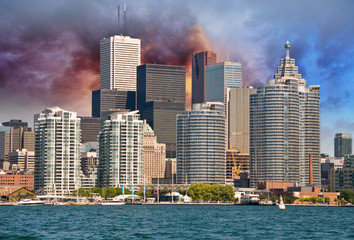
(237, 169)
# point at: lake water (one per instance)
(175, 221)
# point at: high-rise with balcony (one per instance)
(57, 151)
(121, 150)
(342, 145)
(201, 144)
(285, 128)
(199, 61)
(119, 57)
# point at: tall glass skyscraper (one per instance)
(119, 57)
(201, 144)
(57, 151)
(342, 144)
(218, 77)
(121, 150)
(199, 61)
(285, 128)
(161, 94)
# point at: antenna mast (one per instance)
(119, 32)
(125, 20)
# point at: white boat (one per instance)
(29, 202)
(250, 199)
(281, 203)
(112, 202)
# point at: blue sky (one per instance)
(49, 50)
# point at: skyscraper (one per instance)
(238, 103)
(199, 61)
(285, 128)
(201, 144)
(218, 77)
(342, 145)
(119, 57)
(121, 150)
(160, 97)
(57, 153)
(90, 128)
(106, 100)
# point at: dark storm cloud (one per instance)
(51, 49)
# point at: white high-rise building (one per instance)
(119, 57)
(57, 151)
(121, 150)
(285, 128)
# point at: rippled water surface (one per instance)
(175, 221)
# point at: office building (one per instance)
(17, 136)
(154, 156)
(285, 129)
(327, 165)
(90, 128)
(15, 179)
(105, 100)
(199, 61)
(119, 57)
(171, 171)
(342, 145)
(57, 152)
(160, 97)
(121, 150)
(343, 178)
(201, 144)
(219, 77)
(22, 161)
(89, 168)
(238, 118)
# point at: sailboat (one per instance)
(78, 201)
(281, 203)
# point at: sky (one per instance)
(49, 50)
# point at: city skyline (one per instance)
(50, 55)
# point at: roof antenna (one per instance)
(119, 32)
(125, 20)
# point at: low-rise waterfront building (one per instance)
(15, 179)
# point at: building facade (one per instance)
(119, 57)
(219, 77)
(22, 161)
(238, 118)
(15, 179)
(199, 61)
(57, 152)
(121, 150)
(285, 128)
(343, 178)
(154, 156)
(201, 144)
(342, 145)
(90, 128)
(161, 94)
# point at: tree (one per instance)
(347, 194)
(342, 200)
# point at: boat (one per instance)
(79, 203)
(281, 203)
(112, 202)
(250, 199)
(30, 202)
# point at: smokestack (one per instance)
(310, 170)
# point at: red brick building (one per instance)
(18, 180)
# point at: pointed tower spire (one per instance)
(287, 47)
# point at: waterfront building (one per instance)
(161, 94)
(219, 77)
(285, 128)
(22, 161)
(57, 152)
(154, 156)
(121, 150)
(89, 168)
(238, 118)
(90, 128)
(105, 100)
(342, 144)
(199, 61)
(327, 165)
(343, 178)
(119, 57)
(242, 162)
(201, 144)
(15, 179)
(16, 135)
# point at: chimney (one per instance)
(310, 170)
